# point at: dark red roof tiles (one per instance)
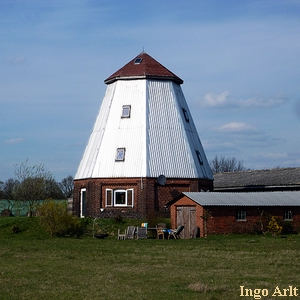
(147, 68)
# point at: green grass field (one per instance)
(36, 266)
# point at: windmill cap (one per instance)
(143, 66)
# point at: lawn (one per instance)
(36, 266)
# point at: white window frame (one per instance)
(120, 155)
(241, 215)
(288, 215)
(126, 110)
(115, 197)
(111, 194)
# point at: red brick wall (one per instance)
(222, 219)
(149, 196)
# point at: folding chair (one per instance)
(141, 233)
(176, 233)
(130, 232)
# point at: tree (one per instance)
(67, 186)
(53, 190)
(33, 185)
(9, 188)
(8, 193)
(1, 190)
(222, 164)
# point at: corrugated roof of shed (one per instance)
(273, 177)
(246, 199)
(148, 68)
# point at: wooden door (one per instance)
(186, 216)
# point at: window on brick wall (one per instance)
(119, 197)
(241, 215)
(288, 215)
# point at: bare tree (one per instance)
(222, 164)
(32, 186)
(67, 186)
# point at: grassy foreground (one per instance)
(36, 266)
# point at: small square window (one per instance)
(288, 215)
(241, 215)
(120, 197)
(126, 111)
(138, 60)
(120, 156)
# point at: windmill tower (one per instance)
(144, 148)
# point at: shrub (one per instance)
(56, 220)
(274, 227)
(288, 228)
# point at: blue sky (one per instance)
(239, 61)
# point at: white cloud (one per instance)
(215, 100)
(224, 99)
(237, 127)
(13, 141)
(271, 102)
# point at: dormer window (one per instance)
(199, 157)
(120, 155)
(186, 115)
(138, 60)
(126, 111)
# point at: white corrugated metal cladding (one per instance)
(159, 137)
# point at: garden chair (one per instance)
(130, 232)
(121, 236)
(141, 233)
(176, 233)
(160, 230)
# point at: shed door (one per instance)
(186, 216)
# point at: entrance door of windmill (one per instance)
(186, 216)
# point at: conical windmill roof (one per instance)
(141, 67)
(155, 136)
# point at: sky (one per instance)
(239, 61)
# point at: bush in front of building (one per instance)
(274, 227)
(56, 220)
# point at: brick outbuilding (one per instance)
(225, 213)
